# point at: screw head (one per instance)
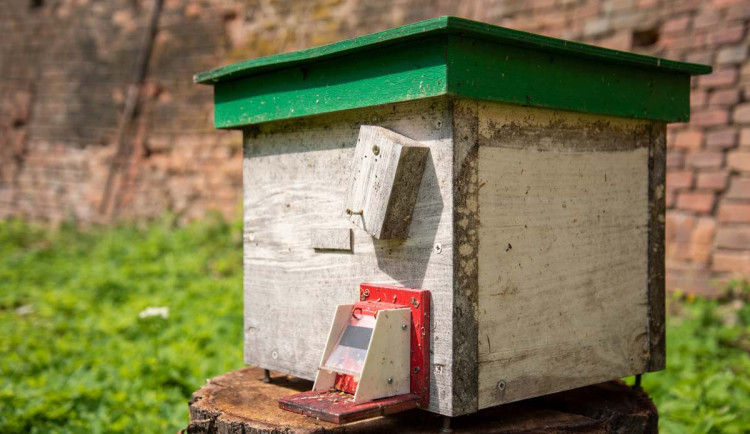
(375, 149)
(389, 380)
(438, 248)
(274, 355)
(403, 326)
(501, 384)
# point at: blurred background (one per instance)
(66, 66)
(117, 195)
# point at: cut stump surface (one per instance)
(239, 402)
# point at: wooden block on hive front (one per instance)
(239, 402)
(331, 239)
(385, 177)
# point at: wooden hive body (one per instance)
(538, 225)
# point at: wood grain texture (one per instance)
(238, 402)
(466, 254)
(657, 207)
(295, 177)
(331, 239)
(563, 243)
(386, 172)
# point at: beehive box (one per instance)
(537, 221)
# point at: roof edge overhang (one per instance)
(438, 26)
(456, 57)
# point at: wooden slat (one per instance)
(466, 255)
(656, 274)
(331, 239)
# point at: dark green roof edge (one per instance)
(439, 26)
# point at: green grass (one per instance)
(76, 357)
(706, 386)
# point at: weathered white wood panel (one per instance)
(385, 175)
(295, 176)
(563, 205)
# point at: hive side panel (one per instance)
(296, 175)
(563, 270)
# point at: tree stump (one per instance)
(239, 402)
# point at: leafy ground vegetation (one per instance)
(80, 349)
(706, 386)
(110, 330)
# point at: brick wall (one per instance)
(66, 66)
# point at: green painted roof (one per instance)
(451, 56)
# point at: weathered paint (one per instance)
(485, 70)
(442, 26)
(451, 56)
(408, 72)
(338, 407)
